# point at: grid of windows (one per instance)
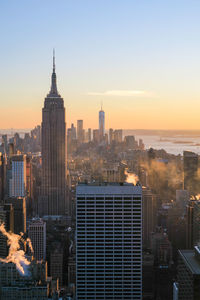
(109, 243)
(17, 183)
(37, 234)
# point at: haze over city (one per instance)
(141, 58)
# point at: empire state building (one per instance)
(53, 198)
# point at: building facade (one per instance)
(17, 184)
(190, 165)
(109, 241)
(80, 131)
(19, 207)
(53, 197)
(37, 234)
(188, 277)
(101, 124)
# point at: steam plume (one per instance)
(131, 177)
(196, 197)
(16, 255)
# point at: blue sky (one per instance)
(105, 51)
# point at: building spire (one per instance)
(54, 65)
(53, 91)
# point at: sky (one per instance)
(140, 58)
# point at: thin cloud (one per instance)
(122, 93)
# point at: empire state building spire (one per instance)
(53, 198)
(53, 91)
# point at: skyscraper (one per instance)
(37, 234)
(188, 274)
(109, 241)
(80, 131)
(190, 165)
(52, 200)
(19, 206)
(17, 185)
(73, 130)
(101, 124)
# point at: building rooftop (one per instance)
(108, 188)
(107, 184)
(191, 260)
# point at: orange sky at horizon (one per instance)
(118, 114)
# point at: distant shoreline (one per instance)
(151, 132)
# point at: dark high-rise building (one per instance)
(149, 214)
(9, 214)
(73, 132)
(188, 277)
(194, 210)
(190, 165)
(37, 234)
(19, 205)
(53, 198)
(111, 135)
(190, 224)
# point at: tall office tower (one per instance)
(196, 223)
(182, 198)
(80, 131)
(5, 143)
(109, 241)
(69, 141)
(149, 215)
(56, 262)
(188, 277)
(190, 165)
(148, 275)
(111, 135)
(101, 124)
(11, 149)
(73, 132)
(19, 205)
(53, 198)
(17, 184)
(37, 234)
(29, 177)
(96, 136)
(190, 224)
(118, 136)
(89, 134)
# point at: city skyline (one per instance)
(143, 67)
(100, 150)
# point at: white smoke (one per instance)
(16, 255)
(131, 177)
(196, 197)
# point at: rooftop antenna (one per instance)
(54, 65)
(101, 105)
